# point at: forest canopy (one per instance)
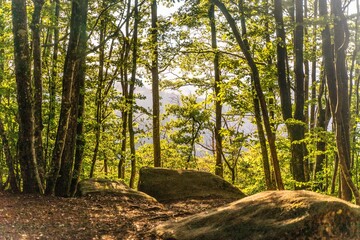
(264, 94)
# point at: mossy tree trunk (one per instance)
(27, 156)
(63, 153)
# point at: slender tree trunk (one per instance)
(313, 70)
(322, 122)
(262, 140)
(219, 169)
(284, 86)
(80, 141)
(121, 166)
(99, 97)
(335, 174)
(9, 160)
(29, 167)
(258, 89)
(52, 83)
(342, 112)
(131, 96)
(155, 84)
(125, 90)
(38, 86)
(257, 111)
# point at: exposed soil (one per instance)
(92, 217)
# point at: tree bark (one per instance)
(124, 124)
(262, 140)
(219, 169)
(342, 111)
(336, 74)
(38, 86)
(131, 96)
(321, 123)
(29, 167)
(155, 84)
(124, 68)
(80, 141)
(64, 144)
(52, 84)
(298, 129)
(9, 160)
(295, 129)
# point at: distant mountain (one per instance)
(166, 97)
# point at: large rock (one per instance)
(169, 185)
(105, 186)
(272, 215)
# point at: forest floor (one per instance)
(92, 217)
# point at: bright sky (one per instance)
(165, 11)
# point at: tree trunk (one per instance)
(52, 83)
(80, 141)
(64, 144)
(342, 111)
(9, 160)
(257, 112)
(131, 96)
(337, 85)
(262, 140)
(334, 176)
(67, 161)
(38, 86)
(99, 97)
(219, 169)
(355, 83)
(321, 124)
(257, 86)
(29, 167)
(155, 84)
(296, 130)
(121, 166)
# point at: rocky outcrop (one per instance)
(105, 186)
(271, 215)
(172, 185)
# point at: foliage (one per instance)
(187, 73)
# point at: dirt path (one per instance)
(94, 217)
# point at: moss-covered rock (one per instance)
(172, 185)
(272, 215)
(105, 186)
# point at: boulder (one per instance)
(271, 215)
(172, 185)
(105, 186)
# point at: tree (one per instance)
(336, 75)
(131, 94)
(62, 158)
(295, 124)
(298, 130)
(29, 167)
(155, 84)
(186, 127)
(257, 86)
(9, 160)
(218, 105)
(38, 86)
